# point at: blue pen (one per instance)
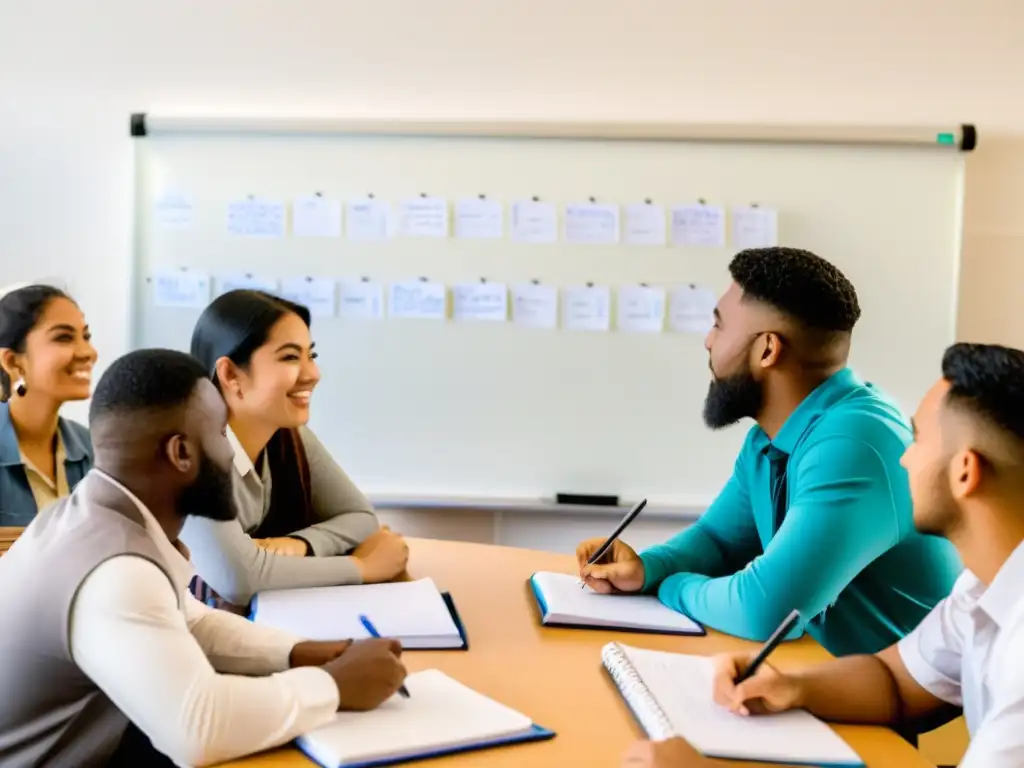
(402, 690)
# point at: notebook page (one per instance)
(682, 686)
(439, 713)
(572, 604)
(404, 610)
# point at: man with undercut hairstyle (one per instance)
(966, 467)
(817, 514)
(105, 657)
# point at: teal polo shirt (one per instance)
(819, 520)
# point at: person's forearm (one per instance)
(340, 534)
(853, 689)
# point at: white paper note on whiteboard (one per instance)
(479, 219)
(534, 221)
(755, 227)
(645, 224)
(255, 217)
(418, 300)
(423, 217)
(691, 309)
(368, 220)
(245, 281)
(698, 224)
(180, 289)
(174, 210)
(593, 223)
(535, 306)
(316, 293)
(640, 309)
(586, 308)
(316, 216)
(360, 300)
(480, 301)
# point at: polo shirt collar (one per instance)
(243, 464)
(824, 396)
(1002, 597)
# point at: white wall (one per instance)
(71, 71)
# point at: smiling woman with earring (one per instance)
(46, 360)
(301, 521)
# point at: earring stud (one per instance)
(19, 387)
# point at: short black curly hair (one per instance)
(800, 284)
(988, 381)
(145, 380)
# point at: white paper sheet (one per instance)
(316, 293)
(360, 300)
(592, 223)
(255, 217)
(586, 308)
(479, 219)
(535, 305)
(180, 289)
(368, 220)
(418, 300)
(698, 224)
(754, 227)
(691, 309)
(316, 216)
(534, 221)
(640, 309)
(480, 301)
(423, 217)
(174, 210)
(245, 281)
(645, 224)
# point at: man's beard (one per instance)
(732, 398)
(210, 496)
(939, 515)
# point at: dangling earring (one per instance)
(19, 387)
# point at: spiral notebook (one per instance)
(565, 602)
(670, 694)
(441, 716)
(413, 612)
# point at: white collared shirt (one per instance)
(205, 685)
(969, 652)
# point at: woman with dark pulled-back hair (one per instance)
(46, 360)
(300, 517)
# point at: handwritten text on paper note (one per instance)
(534, 221)
(480, 301)
(535, 306)
(479, 219)
(640, 309)
(360, 300)
(698, 224)
(418, 300)
(586, 308)
(180, 289)
(592, 223)
(316, 293)
(247, 281)
(254, 217)
(645, 224)
(754, 227)
(423, 217)
(368, 220)
(316, 216)
(173, 210)
(691, 309)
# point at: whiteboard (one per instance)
(440, 409)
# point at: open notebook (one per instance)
(671, 695)
(414, 612)
(441, 716)
(564, 603)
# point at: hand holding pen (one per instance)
(368, 625)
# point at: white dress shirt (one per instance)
(969, 651)
(205, 685)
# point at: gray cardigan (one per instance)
(226, 558)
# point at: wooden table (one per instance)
(554, 675)
(7, 537)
